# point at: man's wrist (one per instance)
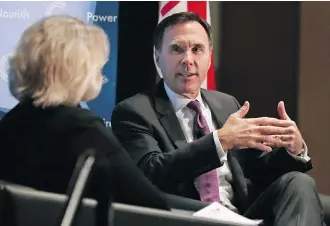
(218, 146)
(223, 141)
(299, 152)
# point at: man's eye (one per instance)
(176, 49)
(197, 49)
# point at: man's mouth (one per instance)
(186, 74)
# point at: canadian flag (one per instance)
(201, 8)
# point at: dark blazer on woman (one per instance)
(39, 148)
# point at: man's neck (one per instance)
(190, 95)
(186, 95)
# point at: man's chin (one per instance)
(189, 92)
(190, 89)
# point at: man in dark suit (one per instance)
(196, 143)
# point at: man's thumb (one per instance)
(243, 110)
(281, 111)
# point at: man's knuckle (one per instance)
(265, 119)
(249, 131)
(292, 129)
(253, 129)
(266, 138)
(250, 143)
(261, 129)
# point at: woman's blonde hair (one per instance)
(57, 60)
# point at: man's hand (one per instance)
(293, 140)
(261, 133)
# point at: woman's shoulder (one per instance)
(89, 123)
(83, 117)
(89, 131)
(61, 115)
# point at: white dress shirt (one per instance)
(186, 119)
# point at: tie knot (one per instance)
(194, 105)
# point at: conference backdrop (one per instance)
(15, 17)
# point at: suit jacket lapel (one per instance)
(215, 107)
(167, 116)
(171, 123)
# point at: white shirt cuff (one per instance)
(304, 155)
(220, 151)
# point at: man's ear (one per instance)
(210, 60)
(157, 57)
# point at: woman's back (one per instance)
(35, 146)
(40, 147)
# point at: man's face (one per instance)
(184, 57)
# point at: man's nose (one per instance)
(187, 59)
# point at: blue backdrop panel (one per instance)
(15, 17)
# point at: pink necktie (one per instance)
(208, 182)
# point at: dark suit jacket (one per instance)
(39, 148)
(149, 130)
(2, 114)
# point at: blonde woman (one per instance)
(57, 64)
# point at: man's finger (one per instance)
(266, 139)
(283, 144)
(285, 137)
(269, 144)
(269, 130)
(243, 110)
(262, 142)
(260, 146)
(282, 112)
(266, 121)
(273, 130)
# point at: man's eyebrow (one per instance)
(198, 45)
(181, 44)
(175, 43)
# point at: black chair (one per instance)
(325, 200)
(23, 206)
(182, 203)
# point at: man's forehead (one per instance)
(182, 29)
(190, 32)
(186, 42)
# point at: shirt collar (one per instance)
(178, 101)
